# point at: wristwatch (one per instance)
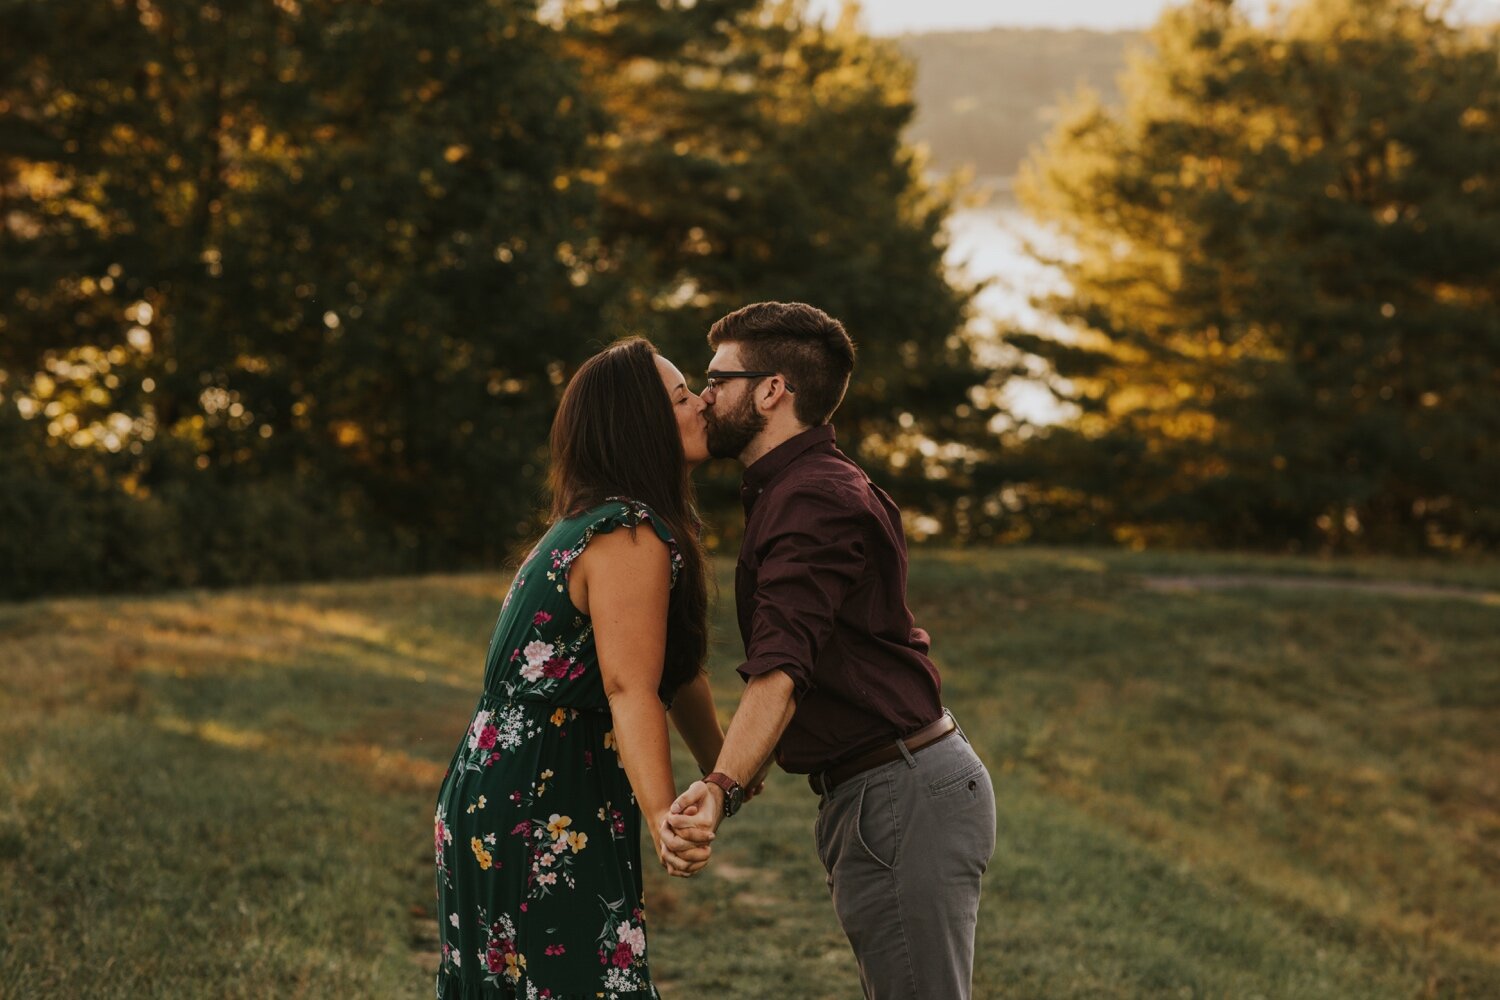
(734, 795)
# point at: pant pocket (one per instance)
(875, 826)
(967, 776)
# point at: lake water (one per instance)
(989, 243)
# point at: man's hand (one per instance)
(757, 784)
(688, 827)
(684, 839)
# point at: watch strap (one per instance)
(734, 795)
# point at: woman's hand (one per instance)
(683, 841)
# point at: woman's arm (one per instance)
(623, 584)
(697, 720)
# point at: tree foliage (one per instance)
(1284, 281)
(759, 156)
(322, 266)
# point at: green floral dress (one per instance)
(537, 833)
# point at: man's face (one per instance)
(733, 420)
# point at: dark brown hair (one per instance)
(805, 344)
(615, 436)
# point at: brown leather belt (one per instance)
(824, 782)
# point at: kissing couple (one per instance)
(603, 636)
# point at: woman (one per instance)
(537, 832)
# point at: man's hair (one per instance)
(807, 346)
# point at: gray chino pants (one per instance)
(905, 846)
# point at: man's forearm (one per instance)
(762, 716)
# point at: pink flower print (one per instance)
(576, 672)
(494, 959)
(522, 827)
(541, 618)
(634, 938)
(487, 737)
(481, 720)
(556, 667)
(536, 653)
(588, 758)
(555, 949)
(622, 956)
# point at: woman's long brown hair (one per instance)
(615, 436)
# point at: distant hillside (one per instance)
(983, 97)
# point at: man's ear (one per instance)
(775, 390)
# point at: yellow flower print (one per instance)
(547, 774)
(514, 963)
(559, 716)
(557, 824)
(482, 801)
(609, 740)
(480, 854)
(578, 841)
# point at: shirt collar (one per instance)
(770, 465)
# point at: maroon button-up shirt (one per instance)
(820, 588)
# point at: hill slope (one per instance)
(1225, 788)
(984, 97)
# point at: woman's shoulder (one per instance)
(615, 512)
(619, 512)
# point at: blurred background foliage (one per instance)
(289, 290)
(1283, 282)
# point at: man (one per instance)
(839, 684)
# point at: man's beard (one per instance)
(730, 433)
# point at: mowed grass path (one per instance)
(1243, 792)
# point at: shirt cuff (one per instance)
(767, 662)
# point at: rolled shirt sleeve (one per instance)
(813, 556)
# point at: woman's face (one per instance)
(688, 409)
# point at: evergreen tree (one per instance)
(1285, 279)
(753, 155)
(334, 245)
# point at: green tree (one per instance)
(753, 154)
(337, 247)
(1285, 278)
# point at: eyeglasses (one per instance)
(716, 379)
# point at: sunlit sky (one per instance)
(892, 17)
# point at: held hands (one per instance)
(687, 830)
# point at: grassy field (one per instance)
(1242, 790)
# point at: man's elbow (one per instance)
(775, 685)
